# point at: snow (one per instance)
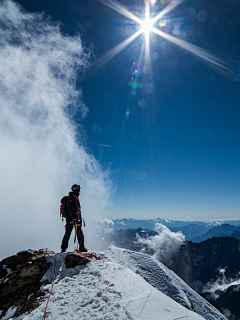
(141, 300)
(7, 269)
(221, 287)
(165, 280)
(9, 314)
(124, 285)
(224, 287)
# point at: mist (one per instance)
(43, 150)
(221, 283)
(165, 244)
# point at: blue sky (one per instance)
(172, 144)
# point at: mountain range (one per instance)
(225, 230)
(195, 231)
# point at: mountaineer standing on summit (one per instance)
(72, 213)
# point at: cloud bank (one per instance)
(106, 225)
(42, 151)
(165, 244)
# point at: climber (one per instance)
(73, 219)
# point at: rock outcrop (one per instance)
(20, 287)
(20, 278)
(74, 259)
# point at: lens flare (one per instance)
(147, 23)
(146, 29)
(147, 26)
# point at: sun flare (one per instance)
(147, 23)
(147, 26)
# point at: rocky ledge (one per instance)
(20, 278)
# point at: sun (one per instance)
(147, 26)
(147, 23)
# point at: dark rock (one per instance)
(199, 263)
(11, 262)
(74, 259)
(226, 300)
(20, 288)
(27, 274)
(3, 272)
(22, 255)
(33, 269)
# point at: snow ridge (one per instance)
(165, 280)
(125, 286)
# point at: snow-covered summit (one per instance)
(124, 285)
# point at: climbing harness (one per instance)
(77, 228)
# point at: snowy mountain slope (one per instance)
(107, 290)
(140, 299)
(115, 288)
(165, 280)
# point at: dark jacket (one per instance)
(73, 205)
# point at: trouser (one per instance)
(66, 237)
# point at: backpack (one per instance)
(63, 207)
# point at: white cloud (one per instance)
(221, 284)
(107, 225)
(165, 244)
(40, 158)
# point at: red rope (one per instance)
(52, 283)
(90, 255)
